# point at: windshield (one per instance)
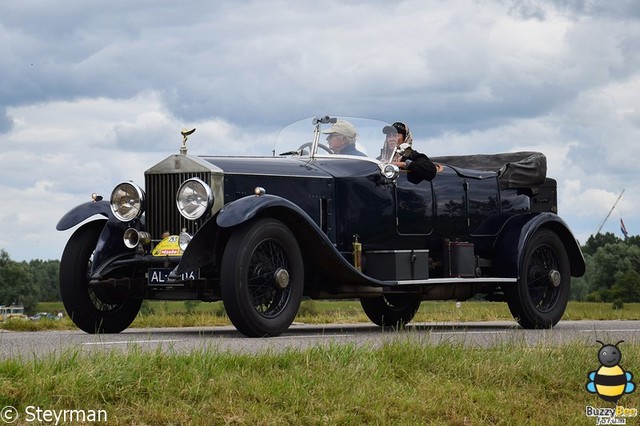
(331, 135)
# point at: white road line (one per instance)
(319, 336)
(127, 342)
(462, 332)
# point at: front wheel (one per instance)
(542, 292)
(92, 309)
(393, 310)
(262, 278)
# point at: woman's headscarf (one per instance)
(397, 127)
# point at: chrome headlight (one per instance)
(194, 198)
(390, 171)
(127, 201)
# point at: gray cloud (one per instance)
(271, 63)
(575, 9)
(94, 92)
(6, 123)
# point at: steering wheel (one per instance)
(309, 144)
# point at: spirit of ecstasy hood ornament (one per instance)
(185, 135)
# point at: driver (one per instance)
(342, 138)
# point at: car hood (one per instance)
(334, 166)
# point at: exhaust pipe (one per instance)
(133, 238)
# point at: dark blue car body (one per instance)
(284, 227)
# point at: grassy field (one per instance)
(403, 383)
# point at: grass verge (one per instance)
(399, 383)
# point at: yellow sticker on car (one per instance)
(169, 246)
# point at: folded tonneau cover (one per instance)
(525, 169)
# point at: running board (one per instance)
(454, 280)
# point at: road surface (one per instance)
(300, 336)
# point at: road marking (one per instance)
(127, 342)
(469, 332)
(318, 336)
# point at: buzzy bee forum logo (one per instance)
(610, 382)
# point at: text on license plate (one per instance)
(161, 275)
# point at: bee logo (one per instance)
(610, 381)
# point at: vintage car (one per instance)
(261, 233)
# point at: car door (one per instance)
(414, 207)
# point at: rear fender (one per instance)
(510, 245)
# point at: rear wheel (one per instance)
(92, 309)
(542, 292)
(262, 278)
(393, 310)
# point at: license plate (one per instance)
(160, 276)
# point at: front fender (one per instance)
(246, 208)
(84, 211)
(210, 240)
(110, 244)
(212, 235)
(511, 243)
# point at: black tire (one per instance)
(391, 310)
(90, 309)
(540, 297)
(262, 278)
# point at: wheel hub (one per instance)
(281, 278)
(554, 277)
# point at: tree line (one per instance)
(613, 270)
(613, 275)
(27, 283)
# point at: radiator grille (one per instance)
(161, 212)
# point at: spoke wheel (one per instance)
(92, 309)
(262, 278)
(542, 292)
(392, 310)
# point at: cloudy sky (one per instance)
(93, 93)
